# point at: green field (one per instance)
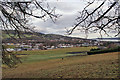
(38, 55)
(57, 64)
(4, 36)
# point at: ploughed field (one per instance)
(64, 63)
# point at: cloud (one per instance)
(66, 20)
(68, 7)
(69, 11)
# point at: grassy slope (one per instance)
(93, 66)
(59, 50)
(39, 55)
(5, 35)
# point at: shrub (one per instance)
(116, 49)
(95, 49)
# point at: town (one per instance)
(54, 44)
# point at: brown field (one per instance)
(91, 66)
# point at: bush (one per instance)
(116, 49)
(95, 49)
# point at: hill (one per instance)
(116, 39)
(35, 36)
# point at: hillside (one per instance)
(94, 66)
(116, 39)
(35, 36)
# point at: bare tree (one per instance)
(105, 18)
(14, 16)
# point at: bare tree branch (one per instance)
(14, 16)
(99, 18)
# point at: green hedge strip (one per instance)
(117, 49)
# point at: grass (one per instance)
(56, 51)
(92, 66)
(39, 55)
(4, 36)
(34, 58)
(9, 46)
(49, 64)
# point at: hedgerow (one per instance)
(116, 49)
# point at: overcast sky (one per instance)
(69, 11)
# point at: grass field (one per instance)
(49, 64)
(38, 55)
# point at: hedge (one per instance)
(95, 49)
(116, 49)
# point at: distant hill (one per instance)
(35, 36)
(117, 39)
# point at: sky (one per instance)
(69, 11)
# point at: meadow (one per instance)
(38, 55)
(57, 63)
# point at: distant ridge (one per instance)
(37, 36)
(117, 38)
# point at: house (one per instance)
(85, 44)
(10, 49)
